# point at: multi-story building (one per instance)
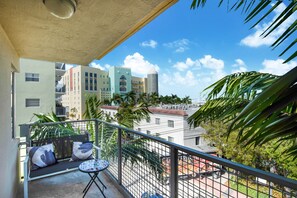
(139, 85)
(172, 125)
(81, 81)
(37, 89)
(152, 81)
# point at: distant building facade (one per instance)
(152, 82)
(171, 125)
(37, 90)
(81, 81)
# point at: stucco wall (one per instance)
(43, 90)
(8, 145)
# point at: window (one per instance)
(12, 105)
(32, 77)
(91, 74)
(32, 102)
(171, 123)
(95, 75)
(86, 74)
(148, 120)
(197, 140)
(148, 132)
(157, 120)
(86, 84)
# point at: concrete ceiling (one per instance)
(96, 28)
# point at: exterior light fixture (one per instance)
(62, 9)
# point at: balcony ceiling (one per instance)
(96, 28)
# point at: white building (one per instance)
(36, 90)
(172, 125)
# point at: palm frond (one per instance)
(254, 9)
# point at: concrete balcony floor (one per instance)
(71, 185)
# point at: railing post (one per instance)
(173, 172)
(120, 156)
(96, 137)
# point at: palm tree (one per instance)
(262, 107)
(268, 113)
(262, 9)
(128, 113)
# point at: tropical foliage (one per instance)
(259, 107)
(264, 157)
(265, 113)
(129, 112)
(259, 10)
(41, 130)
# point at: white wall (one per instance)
(8, 146)
(43, 90)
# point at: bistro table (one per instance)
(93, 168)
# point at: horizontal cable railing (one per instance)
(145, 165)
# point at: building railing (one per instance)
(143, 164)
(61, 89)
(60, 111)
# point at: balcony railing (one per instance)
(60, 111)
(143, 164)
(61, 89)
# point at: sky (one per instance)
(192, 49)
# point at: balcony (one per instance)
(61, 90)
(61, 111)
(140, 164)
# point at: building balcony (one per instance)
(61, 111)
(141, 164)
(61, 90)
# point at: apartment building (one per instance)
(172, 125)
(81, 81)
(38, 90)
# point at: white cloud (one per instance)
(139, 65)
(96, 65)
(216, 65)
(68, 66)
(240, 66)
(256, 40)
(179, 45)
(188, 79)
(277, 67)
(179, 79)
(150, 43)
(181, 66)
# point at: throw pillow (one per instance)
(42, 156)
(81, 151)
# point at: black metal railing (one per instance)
(143, 165)
(60, 111)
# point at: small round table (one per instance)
(93, 167)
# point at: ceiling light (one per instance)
(62, 9)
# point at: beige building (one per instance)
(81, 81)
(34, 90)
(139, 85)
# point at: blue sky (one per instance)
(191, 49)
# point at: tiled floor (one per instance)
(70, 185)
